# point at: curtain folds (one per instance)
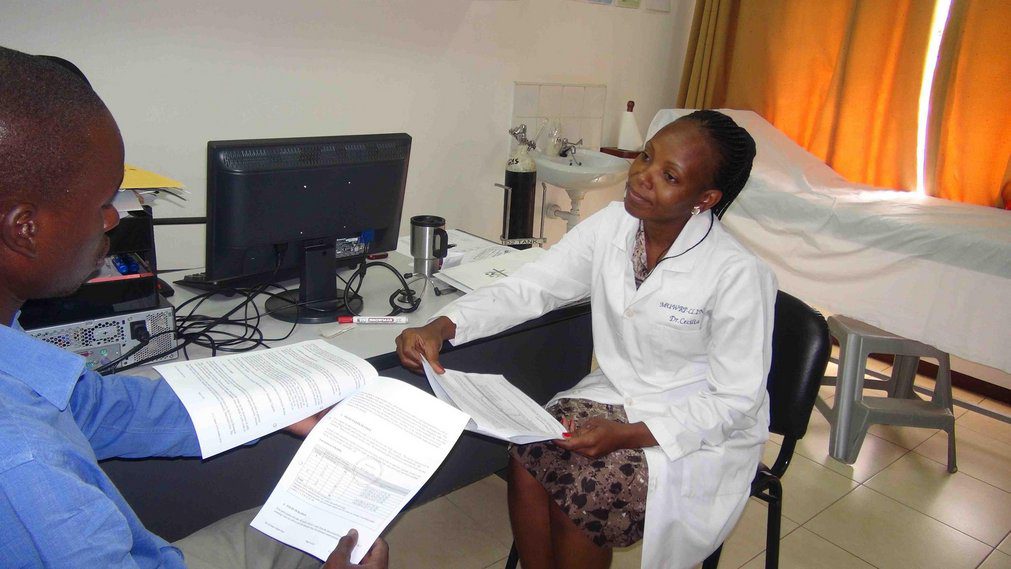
(969, 140)
(704, 73)
(842, 78)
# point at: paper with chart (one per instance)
(496, 407)
(237, 398)
(359, 467)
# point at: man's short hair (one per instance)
(46, 114)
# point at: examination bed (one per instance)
(928, 269)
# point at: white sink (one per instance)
(590, 169)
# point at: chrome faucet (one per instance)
(568, 150)
(520, 134)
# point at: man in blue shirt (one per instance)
(61, 164)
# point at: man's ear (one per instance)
(19, 230)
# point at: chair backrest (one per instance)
(800, 352)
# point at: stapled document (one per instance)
(496, 407)
(235, 399)
(359, 467)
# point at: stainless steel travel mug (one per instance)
(428, 243)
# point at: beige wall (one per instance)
(178, 73)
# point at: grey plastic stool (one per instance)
(852, 412)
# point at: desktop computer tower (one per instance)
(102, 340)
(102, 320)
(108, 294)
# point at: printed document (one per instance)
(477, 274)
(359, 467)
(496, 407)
(237, 398)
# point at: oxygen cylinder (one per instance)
(521, 177)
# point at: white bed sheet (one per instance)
(929, 269)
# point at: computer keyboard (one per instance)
(198, 281)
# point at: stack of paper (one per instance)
(496, 407)
(364, 461)
(361, 463)
(477, 274)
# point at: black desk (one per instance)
(175, 497)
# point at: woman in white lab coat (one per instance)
(669, 429)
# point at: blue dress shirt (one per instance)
(57, 420)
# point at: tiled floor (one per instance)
(896, 508)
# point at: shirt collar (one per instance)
(695, 231)
(624, 238)
(50, 371)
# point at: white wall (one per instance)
(178, 73)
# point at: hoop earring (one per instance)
(696, 210)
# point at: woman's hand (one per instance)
(415, 343)
(596, 437)
(377, 558)
(302, 428)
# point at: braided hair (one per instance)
(735, 148)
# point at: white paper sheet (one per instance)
(496, 407)
(235, 399)
(470, 276)
(359, 467)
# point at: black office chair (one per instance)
(800, 352)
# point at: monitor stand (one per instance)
(317, 300)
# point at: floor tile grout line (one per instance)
(494, 563)
(823, 510)
(864, 483)
(960, 471)
(931, 517)
(914, 508)
(977, 431)
(980, 564)
(840, 546)
(753, 557)
(480, 525)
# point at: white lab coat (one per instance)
(687, 353)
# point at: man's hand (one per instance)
(596, 437)
(415, 343)
(377, 558)
(302, 428)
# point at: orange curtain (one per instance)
(703, 79)
(840, 77)
(969, 141)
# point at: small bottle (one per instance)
(521, 177)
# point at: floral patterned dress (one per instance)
(605, 497)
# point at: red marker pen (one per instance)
(372, 319)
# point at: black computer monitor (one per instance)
(277, 208)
